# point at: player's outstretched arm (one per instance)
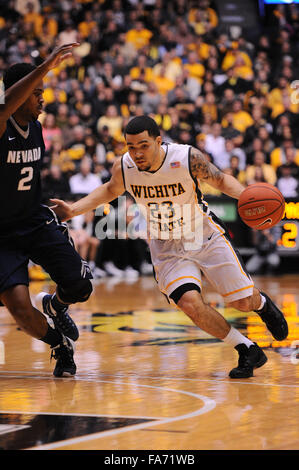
(99, 196)
(18, 93)
(204, 170)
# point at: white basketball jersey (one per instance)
(169, 198)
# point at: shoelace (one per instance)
(64, 320)
(243, 361)
(61, 317)
(62, 351)
(53, 352)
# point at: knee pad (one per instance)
(76, 291)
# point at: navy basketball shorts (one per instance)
(49, 246)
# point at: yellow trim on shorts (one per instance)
(238, 290)
(183, 277)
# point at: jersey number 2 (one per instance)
(25, 182)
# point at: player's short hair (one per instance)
(16, 72)
(142, 123)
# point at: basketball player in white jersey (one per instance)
(164, 177)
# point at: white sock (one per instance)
(234, 338)
(263, 300)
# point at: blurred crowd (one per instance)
(233, 96)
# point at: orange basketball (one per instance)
(261, 206)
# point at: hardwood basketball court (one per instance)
(147, 378)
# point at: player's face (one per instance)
(33, 106)
(144, 149)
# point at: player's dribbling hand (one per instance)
(59, 54)
(62, 209)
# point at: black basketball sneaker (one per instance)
(61, 319)
(63, 353)
(274, 319)
(249, 359)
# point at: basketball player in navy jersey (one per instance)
(30, 230)
(164, 176)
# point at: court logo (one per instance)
(30, 430)
(167, 327)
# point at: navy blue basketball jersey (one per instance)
(21, 155)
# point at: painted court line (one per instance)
(209, 405)
(9, 374)
(87, 415)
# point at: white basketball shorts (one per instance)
(175, 265)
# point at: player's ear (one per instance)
(159, 140)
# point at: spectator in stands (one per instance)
(278, 155)
(210, 106)
(163, 118)
(195, 67)
(202, 18)
(112, 120)
(267, 143)
(163, 83)
(290, 156)
(235, 170)
(141, 66)
(150, 99)
(55, 184)
(85, 27)
(282, 122)
(104, 145)
(69, 34)
(227, 100)
(241, 118)
(85, 181)
(215, 145)
(265, 259)
(233, 82)
(255, 146)
(232, 150)
(238, 60)
(172, 67)
(260, 170)
(62, 117)
(139, 36)
(201, 145)
(76, 148)
(278, 98)
(258, 121)
(287, 184)
(50, 130)
(32, 15)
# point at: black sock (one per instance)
(52, 337)
(57, 305)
